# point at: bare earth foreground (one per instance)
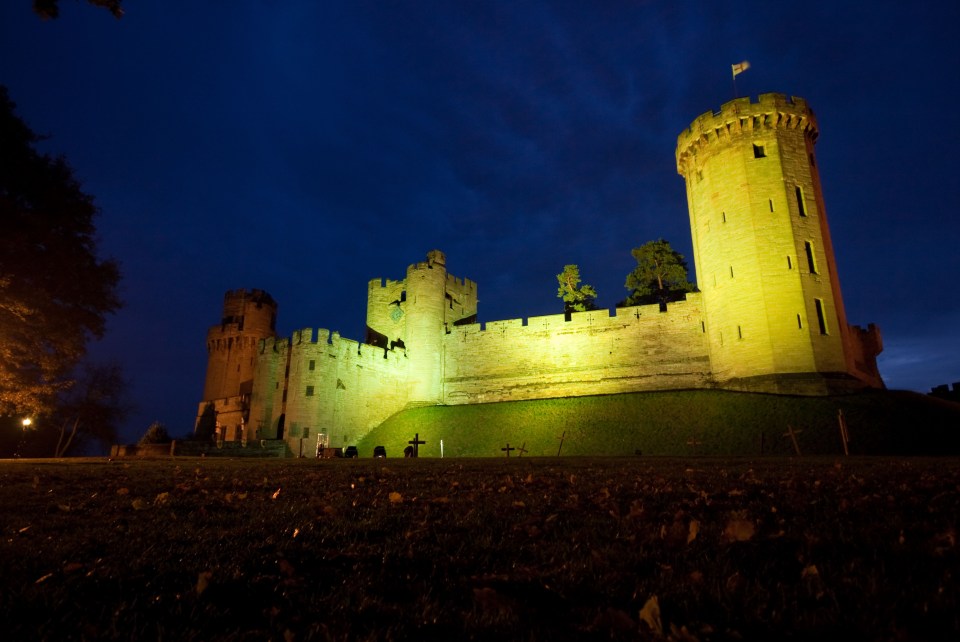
(519, 548)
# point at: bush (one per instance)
(156, 434)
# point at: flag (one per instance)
(740, 67)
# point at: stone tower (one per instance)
(425, 317)
(764, 259)
(248, 317)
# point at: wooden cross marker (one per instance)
(844, 435)
(522, 449)
(561, 442)
(508, 449)
(415, 442)
(793, 437)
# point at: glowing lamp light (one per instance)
(27, 421)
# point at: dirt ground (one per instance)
(507, 549)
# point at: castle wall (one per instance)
(339, 388)
(635, 349)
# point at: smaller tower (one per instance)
(248, 317)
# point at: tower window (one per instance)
(731, 271)
(309, 391)
(703, 327)
(799, 322)
(789, 263)
(723, 216)
(739, 332)
(821, 317)
(312, 365)
(811, 259)
(771, 204)
(801, 207)
(758, 151)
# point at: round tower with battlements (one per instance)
(764, 260)
(248, 317)
(426, 295)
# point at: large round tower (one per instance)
(426, 294)
(248, 317)
(762, 248)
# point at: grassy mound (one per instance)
(691, 422)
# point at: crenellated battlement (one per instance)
(598, 319)
(253, 295)
(273, 344)
(461, 285)
(741, 116)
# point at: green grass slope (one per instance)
(690, 422)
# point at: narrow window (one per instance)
(739, 332)
(758, 151)
(771, 204)
(811, 260)
(821, 317)
(703, 327)
(311, 365)
(306, 431)
(309, 391)
(789, 263)
(731, 271)
(799, 322)
(723, 216)
(800, 205)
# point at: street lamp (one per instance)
(27, 422)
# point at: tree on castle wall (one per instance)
(576, 297)
(55, 292)
(660, 275)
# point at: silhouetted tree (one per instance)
(54, 291)
(660, 275)
(576, 297)
(48, 9)
(91, 411)
(156, 434)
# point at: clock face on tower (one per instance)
(396, 313)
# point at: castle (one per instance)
(768, 316)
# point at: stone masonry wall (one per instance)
(634, 349)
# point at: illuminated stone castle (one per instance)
(768, 317)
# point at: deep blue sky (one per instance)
(306, 147)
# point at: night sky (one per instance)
(307, 147)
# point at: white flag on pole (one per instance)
(740, 67)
